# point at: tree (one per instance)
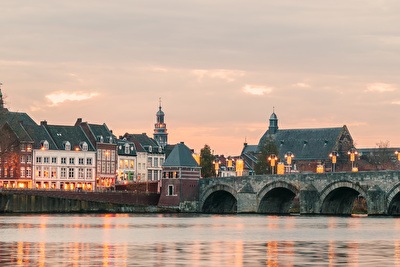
(267, 148)
(381, 157)
(206, 162)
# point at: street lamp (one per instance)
(288, 156)
(398, 155)
(216, 166)
(352, 153)
(272, 159)
(333, 157)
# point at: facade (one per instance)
(16, 152)
(127, 162)
(103, 140)
(160, 128)
(310, 147)
(150, 157)
(63, 158)
(180, 177)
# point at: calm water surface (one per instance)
(198, 240)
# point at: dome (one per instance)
(160, 112)
(273, 116)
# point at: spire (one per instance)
(1, 98)
(273, 122)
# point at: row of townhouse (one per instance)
(82, 156)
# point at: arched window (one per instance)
(84, 146)
(127, 149)
(45, 145)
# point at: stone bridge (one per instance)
(327, 193)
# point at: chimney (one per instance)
(78, 122)
(43, 123)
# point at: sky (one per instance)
(219, 67)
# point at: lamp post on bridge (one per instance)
(288, 156)
(397, 154)
(352, 153)
(333, 157)
(272, 159)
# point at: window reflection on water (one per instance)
(197, 240)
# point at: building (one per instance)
(180, 177)
(103, 140)
(127, 162)
(63, 157)
(150, 156)
(309, 147)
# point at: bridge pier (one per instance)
(246, 203)
(376, 201)
(309, 200)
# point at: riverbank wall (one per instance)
(15, 201)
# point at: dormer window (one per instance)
(67, 145)
(110, 140)
(100, 139)
(150, 149)
(127, 149)
(84, 146)
(44, 145)
(159, 149)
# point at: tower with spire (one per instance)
(2, 108)
(160, 128)
(273, 123)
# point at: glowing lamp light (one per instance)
(398, 155)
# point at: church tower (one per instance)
(160, 130)
(273, 123)
(1, 99)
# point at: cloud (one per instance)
(256, 89)
(226, 75)
(59, 97)
(302, 85)
(396, 102)
(380, 87)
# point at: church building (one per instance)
(309, 147)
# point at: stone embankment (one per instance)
(46, 201)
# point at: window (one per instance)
(150, 162)
(46, 160)
(45, 145)
(84, 146)
(63, 172)
(126, 163)
(155, 175)
(121, 164)
(170, 190)
(71, 173)
(89, 161)
(155, 162)
(38, 172)
(22, 147)
(150, 175)
(54, 160)
(81, 161)
(132, 164)
(89, 174)
(28, 159)
(46, 172)
(126, 148)
(28, 172)
(22, 159)
(72, 161)
(80, 173)
(108, 167)
(22, 172)
(63, 160)
(99, 153)
(38, 159)
(53, 173)
(113, 155)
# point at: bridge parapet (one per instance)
(317, 193)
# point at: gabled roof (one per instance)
(40, 134)
(16, 121)
(145, 141)
(180, 156)
(102, 130)
(306, 144)
(121, 143)
(72, 134)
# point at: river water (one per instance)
(198, 240)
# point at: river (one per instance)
(197, 240)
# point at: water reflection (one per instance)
(156, 240)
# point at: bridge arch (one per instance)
(338, 197)
(220, 198)
(276, 198)
(393, 201)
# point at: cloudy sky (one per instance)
(219, 66)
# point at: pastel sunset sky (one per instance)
(219, 66)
